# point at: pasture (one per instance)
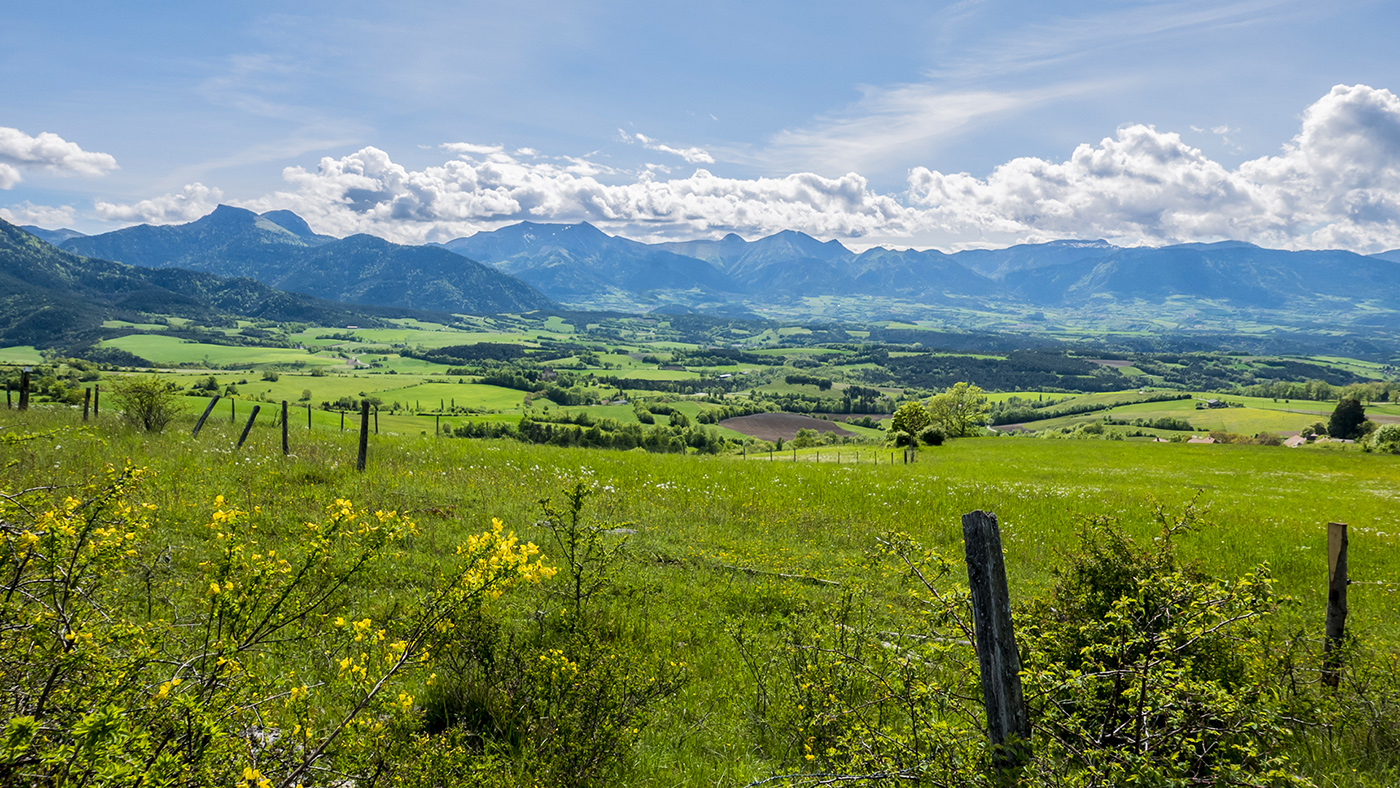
(721, 544)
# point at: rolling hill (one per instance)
(280, 250)
(53, 298)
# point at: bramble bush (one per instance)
(256, 674)
(1138, 668)
(563, 703)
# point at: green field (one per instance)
(20, 354)
(722, 544)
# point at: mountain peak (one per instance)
(292, 223)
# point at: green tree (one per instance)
(910, 417)
(1386, 438)
(959, 409)
(146, 401)
(1347, 419)
(806, 438)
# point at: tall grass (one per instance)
(724, 544)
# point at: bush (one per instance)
(806, 438)
(1386, 438)
(932, 435)
(117, 672)
(147, 402)
(899, 438)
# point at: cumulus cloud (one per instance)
(367, 191)
(47, 216)
(190, 203)
(48, 152)
(1336, 184)
(691, 155)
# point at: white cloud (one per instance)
(691, 155)
(50, 217)
(48, 152)
(193, 201)
(469, 149)
(1335, 184)
(367, 191)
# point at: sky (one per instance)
(950, 125)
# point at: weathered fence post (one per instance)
(342, 421)
(247, 428)
(364, 435)
(1336, 603)
(24, 389)
(376, 421)
(199, 425)
(286, 448)
(87, 402)
(232, 410)
(96, 398)
(1008, 721)
(308, 417)
(437, 426)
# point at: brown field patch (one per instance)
(772, 426)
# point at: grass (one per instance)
(695, 516)
(20, 354)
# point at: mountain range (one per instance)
(50, 297)
(280, 250)
(533, 265)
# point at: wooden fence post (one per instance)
(199, 425)
(308, 417)
(342, 421)
(376, 421)
(1008, 721)
(8, 401)
(364, 435)
(286, 448)
(96, 398)
(24, 389)
(1336, 603)
(232, 410)
(87, 402)
(437, 426)
(247, 428)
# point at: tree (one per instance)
(806, 438)
(1386, 438)
(959, 409)
(1346, 419)
(910, 418)
(146, 401)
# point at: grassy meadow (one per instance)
(721, 548)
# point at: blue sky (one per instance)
(900, 123)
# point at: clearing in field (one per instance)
(772, 426)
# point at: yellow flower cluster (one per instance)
(501, 560)
(252, 778)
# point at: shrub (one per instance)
(147, 402)
(806, 438)
(932, 435)
(118, 673)
(1386, 438)
(899, 438)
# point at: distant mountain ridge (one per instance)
(791, 265)
(50, 297)
(531, 265)
(280, 250)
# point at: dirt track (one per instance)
(772, 426)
